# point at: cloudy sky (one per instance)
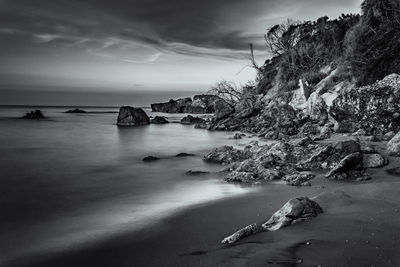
(71, 47)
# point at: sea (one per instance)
(73, 179)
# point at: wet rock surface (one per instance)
(130, 116)
(34, 115)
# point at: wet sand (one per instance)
(360, 227)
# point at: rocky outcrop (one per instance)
(222, 109)
(189, 119)
(201, 104)
(225, 154)
(159, 120)
(129, 116)
(173, 106)
(294, 211)
(34, 115)
(374, 108)
(393, 146)
(350, 165)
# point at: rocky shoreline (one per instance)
(306, 135)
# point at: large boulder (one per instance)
(129, 116)
(34, 115)
(375, 107)
(189, 119)
(317, 108)
(351, 165)
(393, 146)
(222, 109)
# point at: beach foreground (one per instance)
(360, 226)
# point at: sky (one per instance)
(108, 47)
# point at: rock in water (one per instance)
(150, 158)
(294, 211)
(77, 111)
(34, 115)
(159, 120)
(173, 106)
(189, 119)
(129, 116)
(393, 146)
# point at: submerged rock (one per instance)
(294, 211)
(189, 119)
(129, 116)
(34, 115)
(180, 155)
(196, 173)
(159, 120)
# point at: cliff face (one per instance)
(201, 104)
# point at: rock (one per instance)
(375, 107)
(345, 126)
(202, 125)
(129, 116)
(393, 146)
(299, 179)
(159, 120)
(77, 110)
(388, 136)
(374, 161)
(181, 155)
(222, 109)
(348, 146)
(150, 158)
(347, 166)
(325, 132)
(196, 173)
(34, 115)
(173, 106)
(317, 108)
(237, 136)
(294, 211)
(202, 104)
(371, 138)
(189, 119)
(225, 154)
(359, 133)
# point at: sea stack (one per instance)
(129, 116)
(34, 115)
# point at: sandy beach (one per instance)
(360, 226)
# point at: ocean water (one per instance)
(73, 179)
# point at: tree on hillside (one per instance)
(373, 47)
